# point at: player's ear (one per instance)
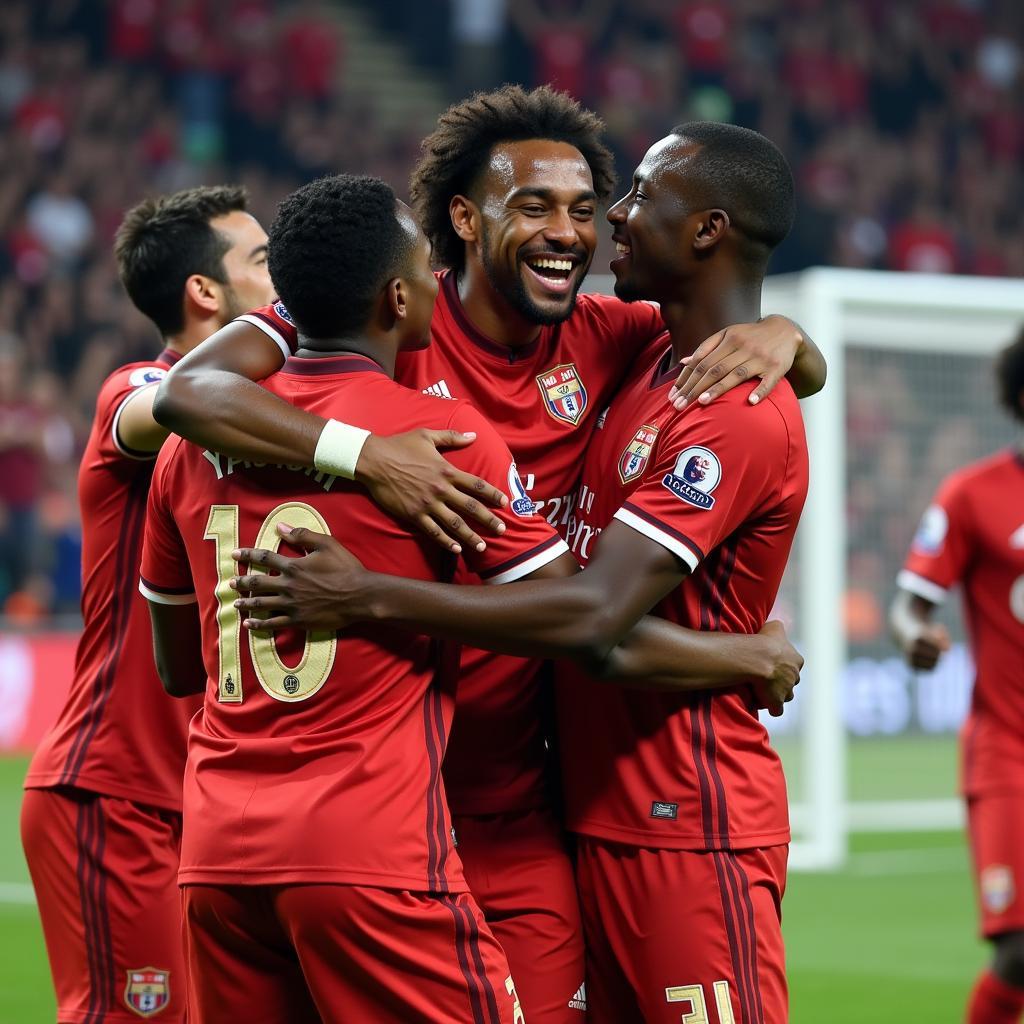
(711, 228)
(396, 294)
(203, 294)
(465, 215)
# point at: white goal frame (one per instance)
(839, 309)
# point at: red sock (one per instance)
(994, 1002)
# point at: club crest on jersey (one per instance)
(565, 397)
(146, 375)
(633, 461)
(997, 888)
(522, 503)
(148, 991)
(696, 474)
(282, 311)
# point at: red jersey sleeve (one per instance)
(165, 576)
(941, 548)
(117, 389)
(276, 323)
(715, 467)
(529, 541)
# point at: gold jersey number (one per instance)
(282, 682)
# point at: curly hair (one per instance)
(457, 151)
(165, 240)
(332, 246)
(1010, 376)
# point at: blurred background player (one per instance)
(973, 535)
(678, 800)
(101, 818)
(320, 875)
(508, 190)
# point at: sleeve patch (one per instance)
(696, 474)
(282, 311)
(522, 504)
(146, 375)
(931, 533)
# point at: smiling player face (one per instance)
(537, 207)
(649, 223)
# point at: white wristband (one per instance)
(337, 451)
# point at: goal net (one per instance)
(869, 744)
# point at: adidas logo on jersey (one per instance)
(438, 390)
(579, 1000)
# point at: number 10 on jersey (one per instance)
(281, 682)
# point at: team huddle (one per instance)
(416, 772)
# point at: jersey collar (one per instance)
(350, 362)
(168, 357)
(450, 289)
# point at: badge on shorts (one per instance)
(633, 461)
(148, 991)
(565, 397)
(997, 888)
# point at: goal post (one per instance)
(909, 398)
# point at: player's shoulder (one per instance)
(984, 478)
(135, 375)
(608, 313)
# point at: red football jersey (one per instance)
(973, 534)
(119, 733)
(722, 487)
(544, 400)
(317, 758)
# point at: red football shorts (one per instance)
(995, 826)
(305, 953)
(683, 936)
(105, 873)
(522, 878)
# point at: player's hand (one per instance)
(924, 648)
(319, 591)
(406, 476)
(766, 349)
(785, 663)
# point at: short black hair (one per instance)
(457, 151)
(746, 175)
(165, 240)
(1010, 376)
(331, 248)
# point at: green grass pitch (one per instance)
(889, 940)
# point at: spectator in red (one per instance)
(312, 48)
(923, 242)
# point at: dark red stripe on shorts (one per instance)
(747, 909)
(92, 888)
(128, 554)
(476, 1001)
(737, 950)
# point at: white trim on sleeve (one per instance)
(517, 572)
(158, 598)
(666, 540)
(269, 331)
(907, 580)
(130, 453)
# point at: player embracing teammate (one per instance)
(509, 333)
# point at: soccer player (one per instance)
(101, 819)
(973, 534)
(678, 800)
(508, 190)
(319, 868)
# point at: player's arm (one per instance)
(136, 427)
(597, 617)
(177, 648)
(921, 640)
(773, 348)
(211, 398)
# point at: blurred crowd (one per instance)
(904, 123)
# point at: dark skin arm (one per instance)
(595, 617)
(210, 397)
(921, 640)
(726, 360)
(177, 648)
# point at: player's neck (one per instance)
(326, 348)
(490, 314)
(711, 310)
(193, 334)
